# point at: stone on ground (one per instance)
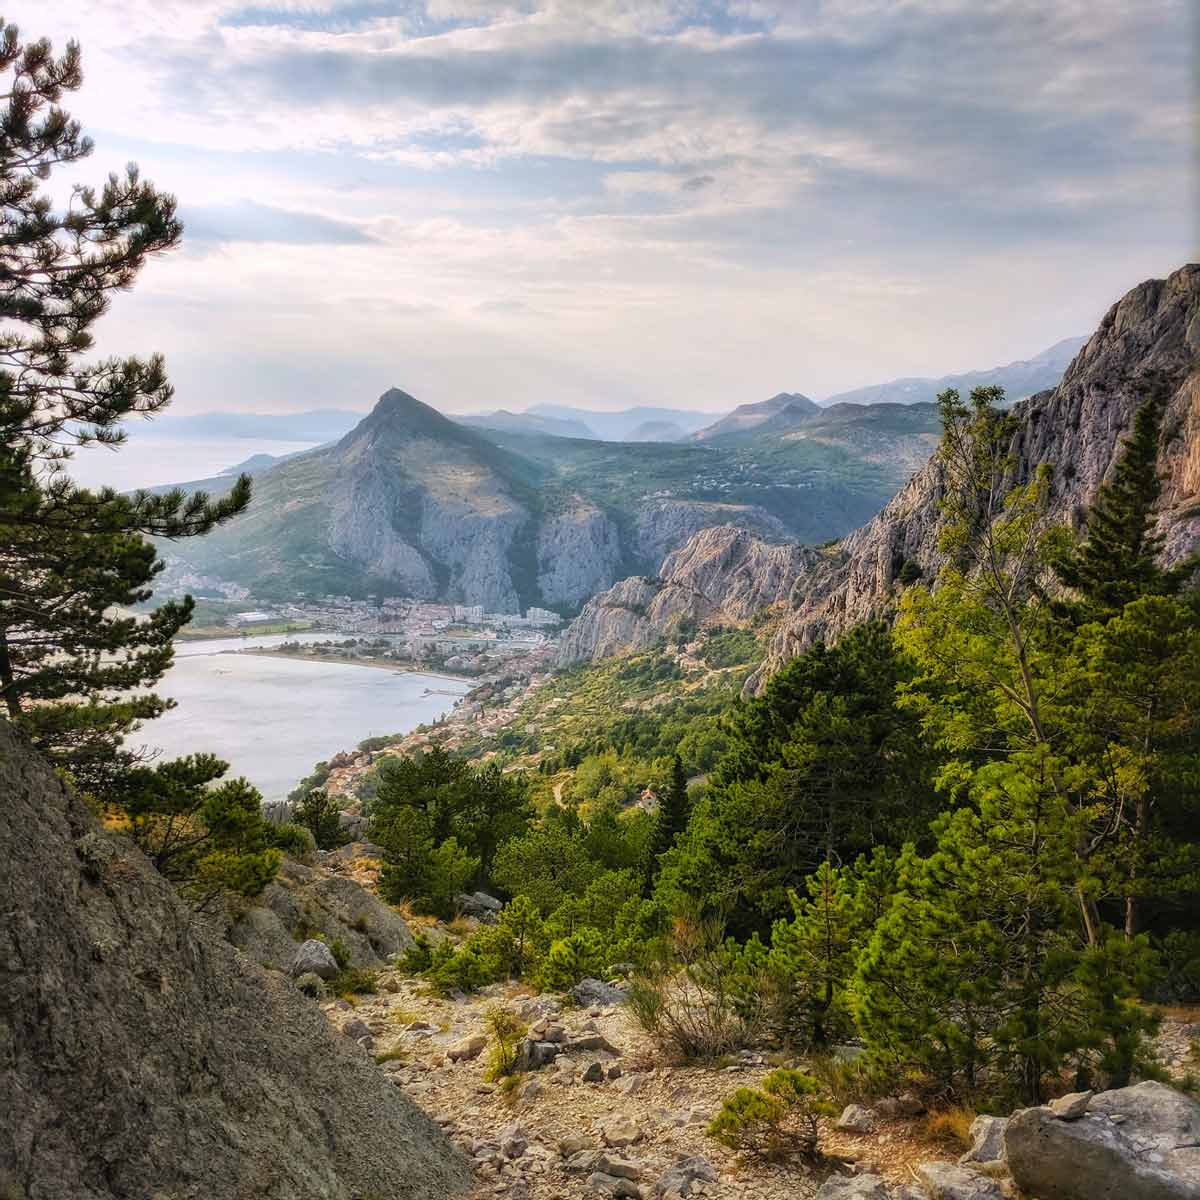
(1133, 1143)
(987, 1140)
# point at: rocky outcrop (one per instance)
(1077, 427)
(578, 554)
(666, 525)
(1133, 1143)
(141, 1055)
(720, 576)
(304, 901)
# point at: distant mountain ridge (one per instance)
(747, 417)
(617, 426)
(504, 421)
(1018, 379)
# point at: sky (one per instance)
(695, 203)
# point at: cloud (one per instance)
(748, 195)
(247, 221)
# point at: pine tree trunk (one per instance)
(8, 683)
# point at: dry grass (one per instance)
(950, 1127)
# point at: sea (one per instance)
(273, 718)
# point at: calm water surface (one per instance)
(271, 719)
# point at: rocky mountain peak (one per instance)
(398, 415)
(1077, 427)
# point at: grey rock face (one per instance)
(1134, 1143)
(578, 554)
(143, 1055)
(664, 525)
(309, 899)
(856, 1187)
(987, 1140)
(722, 575)
(1077, 427)
(313, 958)
(950, 1181)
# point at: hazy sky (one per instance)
(606, 202)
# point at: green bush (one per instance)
(319, 813)
(507, 1032)
(777, 1119)
(571, 959)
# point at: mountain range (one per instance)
(1018, 379)
(410, 502)
(510, 509)
(729, 576)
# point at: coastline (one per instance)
(380, 664)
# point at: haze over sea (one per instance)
(273, 718)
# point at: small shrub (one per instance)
(507, 1031)
(354, 981)
(418, 958)
(697, 1002)
(294, 840)
(848, 1081)
(571, 959)
(778, 1119)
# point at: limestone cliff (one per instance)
(1076, 426)
(721, 575)
(142, 1056)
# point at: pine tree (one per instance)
(1118, 561)
(812, 957)
(674, 809)
(978, 973)
(319, 813)
(68, 661)
(208, 840)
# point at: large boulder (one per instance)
(854, 1187)
(1134, 1143)
(313, 958)
(141, 1055)
(951, 1181)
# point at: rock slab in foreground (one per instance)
(141, 1055)
(1134, 1143)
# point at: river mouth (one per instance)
(272, 718)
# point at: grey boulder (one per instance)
(1133, 1143)
(854, 1187)
(987, 1140)
(591, 993)
(951, 1181)
(684, 1175)
(313, 958)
